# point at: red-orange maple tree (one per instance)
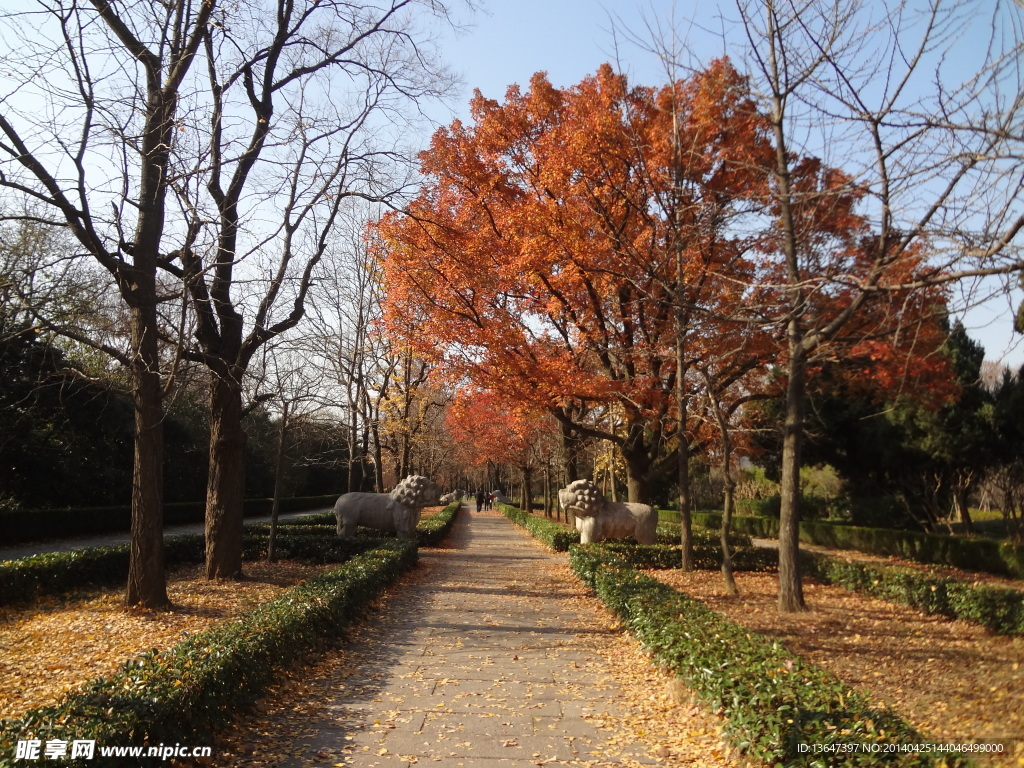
(560, 237)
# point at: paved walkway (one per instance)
(28, 549)
(488, 656)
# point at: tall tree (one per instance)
(296, 97)
(538, 262)
(97, 158)
(931, 161)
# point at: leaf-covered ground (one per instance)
(953, 680)
(671, 730)
(56, 645)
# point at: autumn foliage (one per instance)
(567, 243)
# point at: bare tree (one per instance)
(283, 381)
(343, 319)
(88, 135)
(930, 158)
(305, 105)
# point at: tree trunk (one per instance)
(147, 580)
(791, 594)
(960, 503)
(727, 510)
(378, 459)
(611, 472)
(355, 458)
(528, 490)
(570, 447)
(224, 491)
(636, 478)
(275, 508)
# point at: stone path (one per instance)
(488, 657)
(18, 551)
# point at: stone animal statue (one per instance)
(501, 497)
(455, 495)
(397, 511)
(565, 498)
(598, 519)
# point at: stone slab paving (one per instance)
(483, 661)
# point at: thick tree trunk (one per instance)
(147, 581)
(527, 490)
(547, 489)
(224, 491)
(791, 594)
(637, 468)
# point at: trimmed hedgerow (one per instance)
(669, 532)
(431, 532)
(998, 609)
(57, 573)
(706, 555)
(999, 558)
(773, 701)
(552, 534)
(181, 695)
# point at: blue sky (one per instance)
(510, 40)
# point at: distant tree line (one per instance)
(66, 438)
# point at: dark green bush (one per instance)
(57, 573)
(179, 696)
(431, 532)
(669, 531)
(755, 527)
(552, 534)
(998, 609)
(983, 555)
(773, 701)
(707, 556)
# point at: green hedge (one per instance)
(999, 558)
(773, 701)
(21, 525)
(998, 609)
(707, 556)
(181, 695)
(430, 533)
(56, 573)
(554, 535)
(985, 555)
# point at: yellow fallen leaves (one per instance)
(953, 680)
(53, 647)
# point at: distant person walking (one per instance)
(479, 500)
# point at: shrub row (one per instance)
(999, 609)
(430, 532)
(668, 533)
(21, 525)
(181, 695)
(309, 539)
(554, 535)
(984, 555)
(706, 556)
(772, 700)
